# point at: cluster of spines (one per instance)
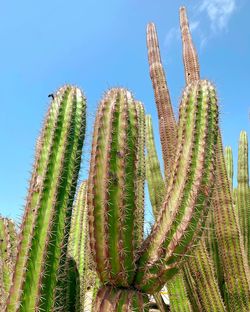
(182, 216)
(112, 188)
(8, 249)
(40, 267)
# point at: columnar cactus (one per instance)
(228, 154)
(167, 123)
(8, 249)
(82, 277)
(243, 194)
(40, 267)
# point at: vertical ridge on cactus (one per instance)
(230, 244)
(185, 206)
(8, 242)
(243, 193)
(41, 257)
(167, 123)
(190, 58)
(112, 188)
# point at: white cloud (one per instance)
(218, 11)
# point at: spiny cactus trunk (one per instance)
(243, 193)
(190, 58)
(230, 243)
(113, 183)
(82, 277)
(39, 275)
(184, 210)
(167, 123)
(8, 250)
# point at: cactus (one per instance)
(111, 195)
(228, 155)
(8, 249)
(40, 267)
(81, 271)
(243, 194)
(167, 124)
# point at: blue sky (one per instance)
(100, 44)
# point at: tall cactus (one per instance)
(8, 250)
(167, 123)
(40, 268)
(243, 193)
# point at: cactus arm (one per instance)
(243, 194)
(112, 188)
(190, 58)
(236, 271)
(177, 227)
(46, 222)
(201, 269)
(228, 154)
(79, 253)
(141, 175)
(167, 123)
(154, 177)
(179, 301)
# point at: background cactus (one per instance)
(40, 267)
(8, 250)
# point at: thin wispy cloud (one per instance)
(218, 11)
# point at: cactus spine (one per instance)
(243, 194)
(8, 242)
(40, 266)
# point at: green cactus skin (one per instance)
(112, 188)
(182, 216)
(179, 301)
(156, 185)
(167, 123)
(228, 155)
(8, 244)
(243, 194)
(190, 58)
(79, 252)
(141, 172)
(230, 244)
(115, 299)
(201, 270)
(40, 268)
